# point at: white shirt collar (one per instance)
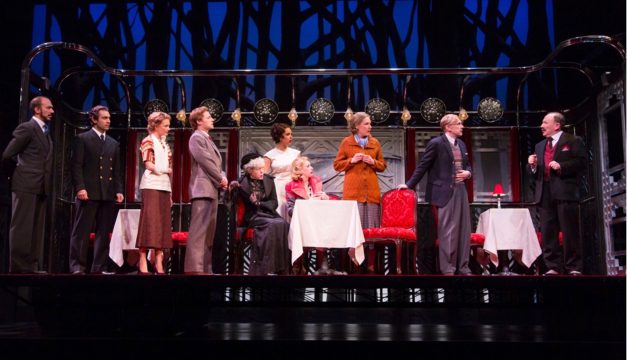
(98, 132)
(556, 137)
(451, 139)
(40, 122)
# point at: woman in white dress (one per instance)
(279, 163)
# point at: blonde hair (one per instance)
(196, 115)
(297, 167)
(357, 119)
(448, 120)
(155, 119)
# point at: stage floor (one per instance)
(575, 317)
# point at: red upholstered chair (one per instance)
(560, 238)
(398, 225)
(243, 235)
(179, 242)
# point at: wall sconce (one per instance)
(405, 116)
(181, 116)
(348, 115)
(293, 115)
(463, 114)
(236, 115)
(498, 193)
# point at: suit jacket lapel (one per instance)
(215, 148)
(95, 139)
(447, 146)
(40, 135)
(563, 139)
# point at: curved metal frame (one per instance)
(121, 73)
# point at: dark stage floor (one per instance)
(314, 316)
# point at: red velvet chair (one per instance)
(398, 226)
(560, 238)
(243, 236)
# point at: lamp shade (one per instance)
(498, 190)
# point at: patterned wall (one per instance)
(320, 145)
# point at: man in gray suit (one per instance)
(30, 185)
(97, 179)
(446, 161)
(206, 180)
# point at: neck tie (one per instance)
(45, 129)
(102, 137)
(550, 142)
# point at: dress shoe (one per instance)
(40, 272)
(78, 272)
(574, 273)
(105, 272)
(551, 273)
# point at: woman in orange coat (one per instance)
(361, 158)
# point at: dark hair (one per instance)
(277, 131)
(94, 112)
(195, 115)
(559, 119)
(36, 102)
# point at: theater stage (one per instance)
(314, 316)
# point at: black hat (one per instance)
(247, 158)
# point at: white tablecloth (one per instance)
(326, 224)
(509, 229)
(124, 234)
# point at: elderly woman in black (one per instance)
(270, 252)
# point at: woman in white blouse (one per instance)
(278, 163)
(155, 223)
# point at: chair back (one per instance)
(398, 209)
(240, 210)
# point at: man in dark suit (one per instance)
(557, 165)
(446, 161)
(30, 185)
(97, 181)
(205, 183)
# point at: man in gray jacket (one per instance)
(205, 183)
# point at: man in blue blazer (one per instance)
(32, 147)
(446, 161)
(557, 166)
(97, 179)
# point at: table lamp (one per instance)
(498, 193)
